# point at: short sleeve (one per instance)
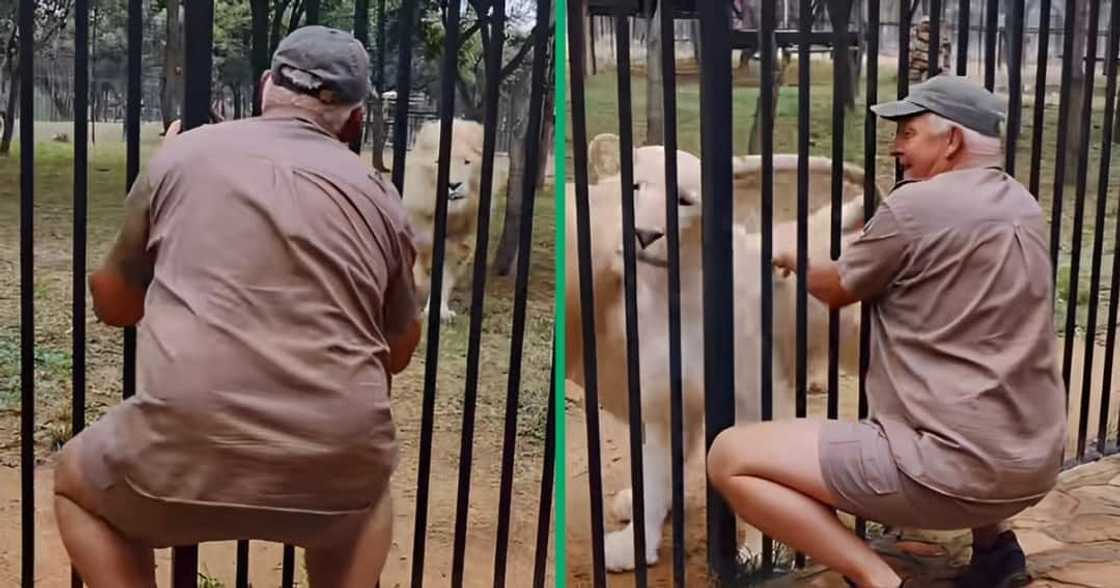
(870, 263)
(399, 307)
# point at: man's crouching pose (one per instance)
(273, 273)
(968, 416)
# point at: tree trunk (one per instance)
(377, 133)
(235, 89)
(506, 254)
(1077, 89)
(10, 120)
(505, 258)
(655, 119)
(172, 90)
(754, 146)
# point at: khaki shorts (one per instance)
(860, 470)
(160, 523)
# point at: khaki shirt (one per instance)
(963, 370)
(282, 267)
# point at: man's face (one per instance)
(921, 150)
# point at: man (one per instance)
(968, 419)
(272, 270)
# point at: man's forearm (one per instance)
(402, 347)
(823, 282)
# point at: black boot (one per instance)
(1003, 565)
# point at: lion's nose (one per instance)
(648, 237)
(454, 186)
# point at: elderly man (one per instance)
(968, 421)
(272, 270)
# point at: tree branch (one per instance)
(522, 51)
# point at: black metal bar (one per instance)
(242, 577)
(991, 19)
(1015, 83)
(904, 18)
(963, 9)
(633, 370)
(259, 49)
(672, 230)
(521, 291)
(361, 33)
(406, 21)
(934, 56)
(439, 232)
(719, 293)
(548, 474)
(1102, 194)
(199, 42)
(132, 160)
(81, 194)
(288, 567)
(478, 293)
(870, 193)
(1039, 107)
(27, 289)
(840, 84)
(804, 106)
(1078, 218)
(312, 15)
(586, 285)
(766, 97)
(1070, 62)
(184, 567)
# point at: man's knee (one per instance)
(725, 457)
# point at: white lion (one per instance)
(652, 302)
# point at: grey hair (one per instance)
(333, 116)
(980, 150)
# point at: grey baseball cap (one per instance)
(955, 98)
(323, 62)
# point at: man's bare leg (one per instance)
(355, 559)
(101, 555)
(779, 489)
(985, 537)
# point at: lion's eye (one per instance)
(637, 186)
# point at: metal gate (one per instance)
(198, 25)
(828, 26)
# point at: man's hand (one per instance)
(402, 347)
(785, 262)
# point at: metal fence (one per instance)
(198, 24)
(1093, 422)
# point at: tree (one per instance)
(50, 18)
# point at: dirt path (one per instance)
(616, 476)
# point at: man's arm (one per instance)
(402, 346)
(864, 271)
(118, 287)
(822, 280)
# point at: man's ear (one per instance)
(352, 129)
(956, 144)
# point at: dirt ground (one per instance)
(53, 275)
(615, 456)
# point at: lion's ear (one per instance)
(603, 159)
